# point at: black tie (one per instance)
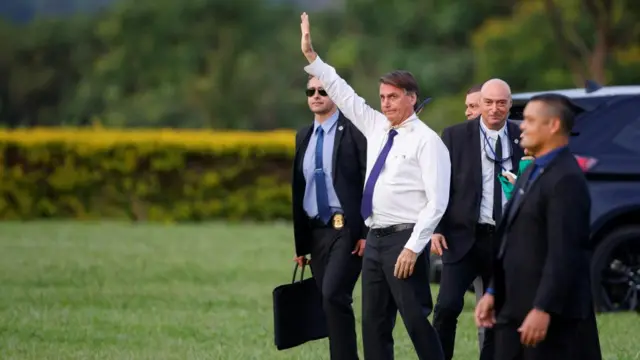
(497, 187)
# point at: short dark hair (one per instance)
(559, 106)
(402, 79)
(474, 89)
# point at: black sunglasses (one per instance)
(311, 92)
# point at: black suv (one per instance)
(606, 144)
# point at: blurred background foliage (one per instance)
(237, 64)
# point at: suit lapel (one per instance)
(512, 208)
(519, 194)
(514, 142)
(339, 132)
(474, 155)
(522, 196)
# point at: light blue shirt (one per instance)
(308, 165)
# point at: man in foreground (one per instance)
(405, 195)
(539, 300)
(480, 150)
(328, 177)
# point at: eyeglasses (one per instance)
(311, 92)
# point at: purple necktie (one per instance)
(367, 197)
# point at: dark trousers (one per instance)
(566, 340)
(479, 287)
(454, 282)
(336, 272)
(383, 295)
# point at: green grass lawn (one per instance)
(120, 291)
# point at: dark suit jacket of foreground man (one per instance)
(543, 263)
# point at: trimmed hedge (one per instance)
(145, 175)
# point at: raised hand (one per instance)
(305, 41)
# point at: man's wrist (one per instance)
(413, 245)
(410, 249)
(490, 291)
(311, 56)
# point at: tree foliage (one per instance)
(237, 64)
(548, 44)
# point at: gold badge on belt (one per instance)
(338, 221)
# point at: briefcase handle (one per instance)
(295, 270)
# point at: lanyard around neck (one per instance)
(493, 152)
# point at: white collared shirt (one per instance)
(413, 186)
(486, 203)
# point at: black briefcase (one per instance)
(297, 312)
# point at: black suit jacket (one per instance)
(459, 221)
(349, 170)
(544, 254)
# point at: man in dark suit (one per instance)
(539, 298)
(328, 178)
(472, 111)
(480, 150)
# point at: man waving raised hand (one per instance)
(405, 195)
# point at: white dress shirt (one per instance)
(488, 173)
(413, 186)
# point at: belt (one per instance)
(386, 231)
(316, 223)
(485, 228)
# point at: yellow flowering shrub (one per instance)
(155, 175)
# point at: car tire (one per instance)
(600, 262)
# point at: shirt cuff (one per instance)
(417, 245)
(315, 68)
(490, 291)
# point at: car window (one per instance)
(611, 130)
(628, 137)
(516, 111)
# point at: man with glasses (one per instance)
(480, 150)
(328, 178)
